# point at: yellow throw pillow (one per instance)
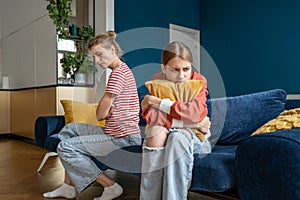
(183, 92)
(288, 119)
(81, 112)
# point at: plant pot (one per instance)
(80, 78)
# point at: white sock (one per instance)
(65, 190)
(111, 192)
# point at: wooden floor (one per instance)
(19, 180)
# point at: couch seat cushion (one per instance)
(215, 172)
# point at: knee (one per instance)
(156, 136)
(59, 148)
(68, 131)
(178, 136)
(63, 148)
(179, 139)
(155, 142)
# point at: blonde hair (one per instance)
(176, 49)
(106, 40)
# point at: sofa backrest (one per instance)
(235, 118)
(292, 103)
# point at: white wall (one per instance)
(28, 44)
(104, 20)
(28, 41)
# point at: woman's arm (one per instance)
(202, 126)
(150, 101)
(105, 106)
(192, 111)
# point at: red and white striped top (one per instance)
(125, 117)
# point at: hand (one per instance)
(204, 125)
(150, 100)
(111, 109)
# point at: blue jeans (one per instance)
(80, 142)
(167, 171)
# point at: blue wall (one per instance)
(255, 44)
(142, 28)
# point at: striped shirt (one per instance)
(125, 117)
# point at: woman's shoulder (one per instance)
(122, 68)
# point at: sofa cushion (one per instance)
(183, 91)
(82, 112)
(276, 170)
(215, 172)
(45, 126)
(235, 118)
(142, 91)
(51, 142)
(288, 119)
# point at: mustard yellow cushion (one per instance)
(81, 112)
(183, 92)
(288, 119)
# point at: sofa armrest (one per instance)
(46, 126)
(268, 166)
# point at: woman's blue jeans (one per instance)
(167, 171)
(80, 142)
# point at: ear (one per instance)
(163, 68)
(112, 48)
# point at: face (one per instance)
(103, 57)
(177, 70)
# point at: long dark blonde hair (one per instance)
(176, 49)
(106, 40)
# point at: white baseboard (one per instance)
(293, 96)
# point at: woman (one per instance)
(168, 155)
(119, 106)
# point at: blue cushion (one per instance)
(215, 172)
(235, 118)
(51, 143)
(46, 126)
(142, 91)
(268, 166)
(292, 103)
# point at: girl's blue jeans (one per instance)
(167, 171)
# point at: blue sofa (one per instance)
(247, 165)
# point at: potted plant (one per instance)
(78, 66)
(73, 63)
(86, 32)
(87, 65)
(60, 11)
(86, 69)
